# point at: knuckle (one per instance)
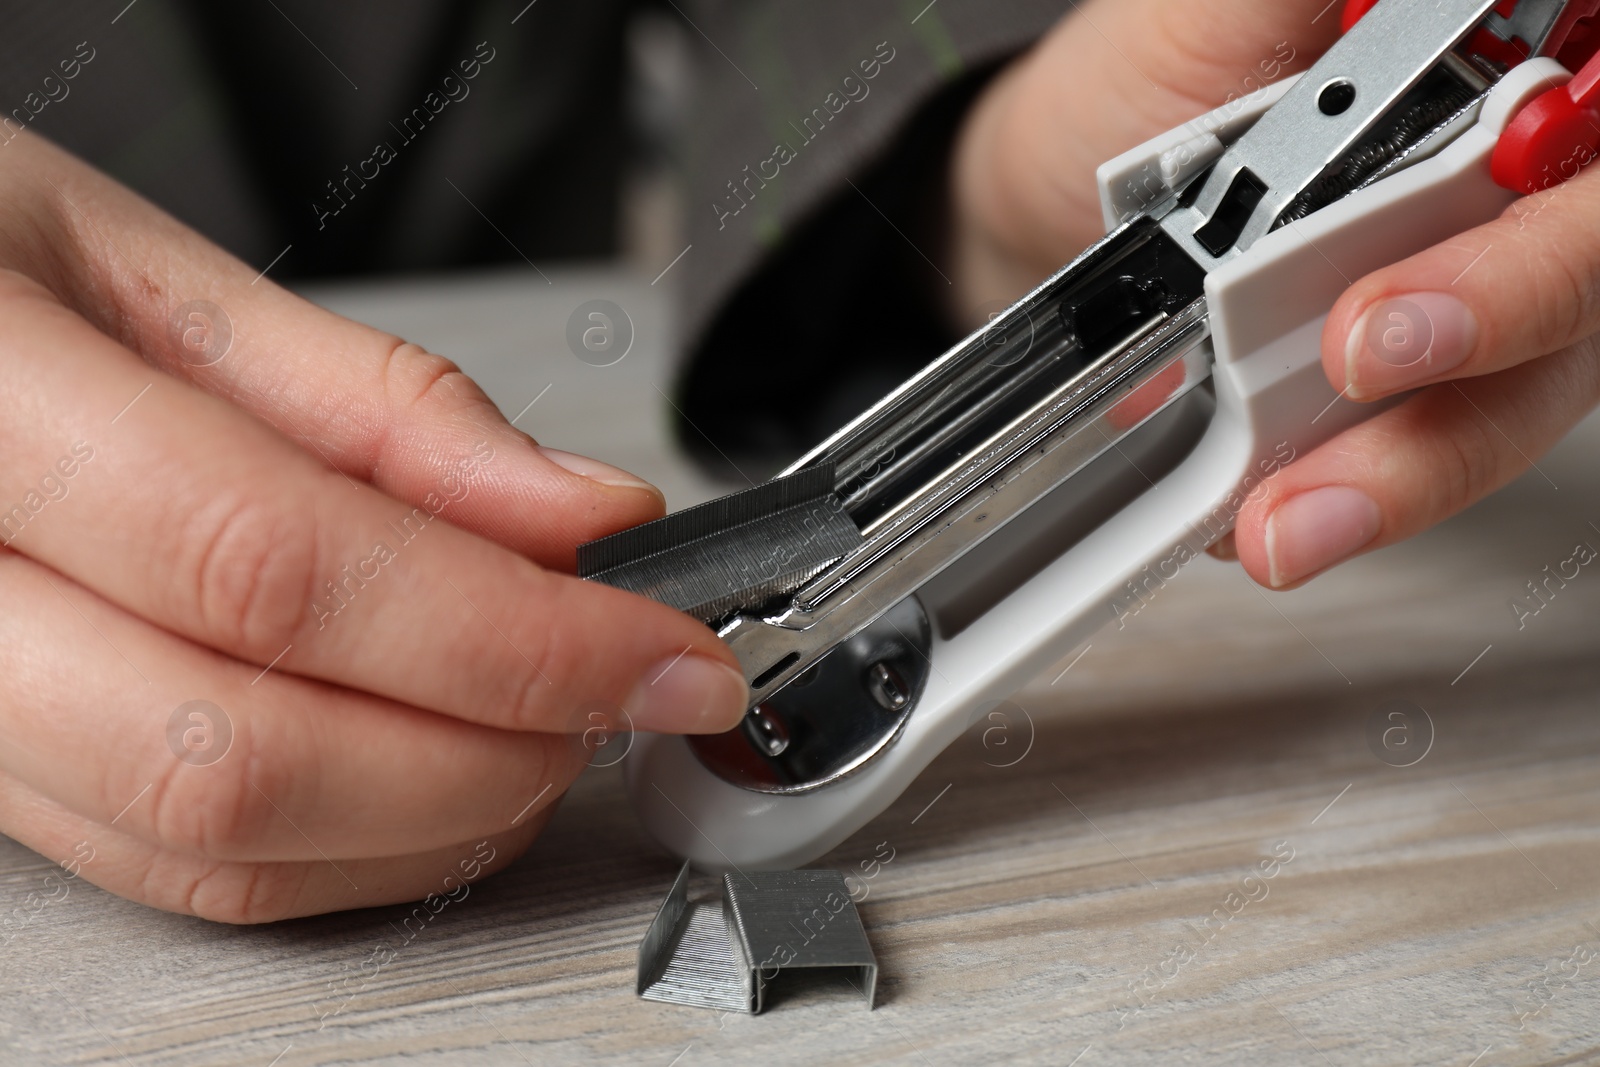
(251, 567)
(535, 697)
(547, 660)
(425, 391)
(215, 810)
(246, 893)
(414, 377)
(1564, 304)
(1469, 458)
(1555, 271)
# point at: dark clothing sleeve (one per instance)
(816, 194)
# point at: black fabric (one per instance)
(235, 117)
(844, 311)
(545, 179)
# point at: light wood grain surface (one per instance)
(1101, 900)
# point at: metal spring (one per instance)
(1362, 162)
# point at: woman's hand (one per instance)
(1110, 76)
(1495, 326)
(330, 537)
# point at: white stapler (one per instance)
(1029, 485)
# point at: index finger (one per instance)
(365, 402)
(197, 517)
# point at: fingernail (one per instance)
(689, 695)
(1316, 529)
(594, 470)
(1405, 340)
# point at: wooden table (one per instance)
(1102, 900)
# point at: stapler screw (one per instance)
(887, 687)
(767, 730)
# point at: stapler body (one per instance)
(1050, 473)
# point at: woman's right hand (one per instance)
(328, 536)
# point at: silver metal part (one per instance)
(835, 716)
(688, 957)
(730, 552)
(1062, 432)
(926, 479)
(1530, 21)
(724, 956)
(1447, 132)
(1366, 71)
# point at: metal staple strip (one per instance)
(730, 553)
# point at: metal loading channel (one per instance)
(1440, 98)
(1063, 434)
(1108, 321)
(1055, 420)
(1116, 293)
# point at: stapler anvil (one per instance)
(1039, 479)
